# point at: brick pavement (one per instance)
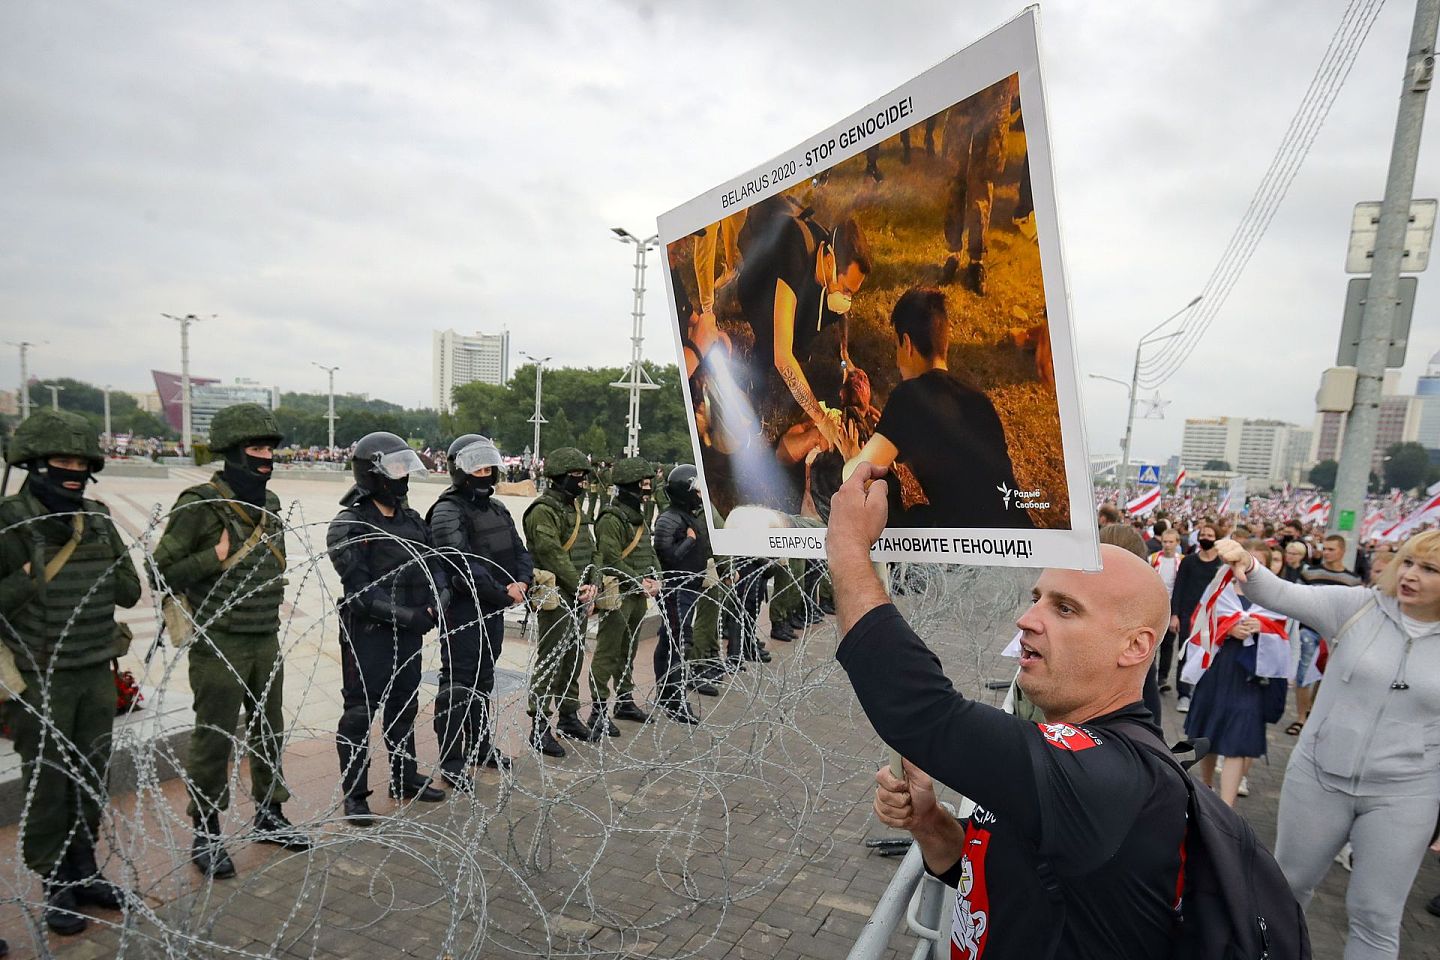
(737, 839)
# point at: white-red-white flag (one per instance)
(1218, 611)
(1144, 503)
(1180, 478)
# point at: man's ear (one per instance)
(1139, 646)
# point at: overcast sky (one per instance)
(335, 180)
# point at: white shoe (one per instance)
(1182, 705)
(1345, 857)
(1244, 790)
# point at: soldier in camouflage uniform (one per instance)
(223, 553)
(63, 571)
(623, 549)
(560, 542)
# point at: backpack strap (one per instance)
(57, 562)
(257, 532)
(639, 532)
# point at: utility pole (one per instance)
(636, 379)
(185, 322)
(54, 395)
(331, 415)
(537, 418)
(106, 391)
(1376, 323)
(24, 346)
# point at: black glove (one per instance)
(415, 618)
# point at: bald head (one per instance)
(1088, 638)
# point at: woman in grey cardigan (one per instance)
(1367, 767)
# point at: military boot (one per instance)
(491, 757)
(62, 907)
(357, 810)
(543, 740)
(570, 725)
(207, 852)
(91, 886)
(627, 709)
(600, 722)
(271, 826)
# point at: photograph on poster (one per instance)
(886, 304)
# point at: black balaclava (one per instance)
(569, 485)
(242, 474)
(49, 485)
(630, 493)
(476, 488)
(389, 492)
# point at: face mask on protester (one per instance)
(1205, 543)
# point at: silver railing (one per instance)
(916, 898)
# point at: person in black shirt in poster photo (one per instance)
(944, 430)
(1070, 796)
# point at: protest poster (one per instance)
(892, 290)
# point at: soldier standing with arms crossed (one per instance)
(491, 571)
(223, 560)
(63, 571)
(623, 551)
(561, 545)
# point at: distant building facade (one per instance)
(1267, 450)
(459, 360)
(208, 396)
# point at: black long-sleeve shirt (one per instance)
(1191, 579)
(1108, 819)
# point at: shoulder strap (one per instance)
(639, 532)
(1354, 617)
(575, 533)
(57, 562)
(257, 532)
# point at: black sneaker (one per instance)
(357, 812)
(62, 909)
(1165, 688)
(1433, 907)
(417, 789)
(271, 826)
(543, 740)
(627, 709)
(706, 689)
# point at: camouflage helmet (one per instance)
(563, 460)
(55, 433)
(242, 425)
(632, 470)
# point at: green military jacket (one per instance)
(246, 597)
(615, 528)
(549, 522)
(68, 621)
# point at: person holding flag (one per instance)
(1145, 503)
(1238, 656)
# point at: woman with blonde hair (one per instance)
(1367, 766)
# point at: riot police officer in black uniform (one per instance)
(489, 569)
(395, 590)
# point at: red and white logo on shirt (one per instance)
(970, 928)
(1062, 736)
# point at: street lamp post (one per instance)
(185, 322)
(24, 346)
(330, 416)
(54, 395)
(1152, 335)
(636, 379)
(106, 391)
(537, 418)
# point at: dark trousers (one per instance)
(750, 578)
(380, 675)
(678, 594)
(464, 717)
(63, 737)
(1167, 655)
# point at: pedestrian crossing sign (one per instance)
(1149, 473)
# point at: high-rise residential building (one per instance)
(459, 360)
(208, 396)
(1400, 421)
(1427, 389)
(1268, 450)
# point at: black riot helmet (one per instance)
(383, 464)
(682, 486)
(469, 453)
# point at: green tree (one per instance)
(1323, 474)
(1406, 465)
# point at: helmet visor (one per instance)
(401, 463)
(481, 453)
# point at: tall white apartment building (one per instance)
(460, 360)
(1269, 450)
